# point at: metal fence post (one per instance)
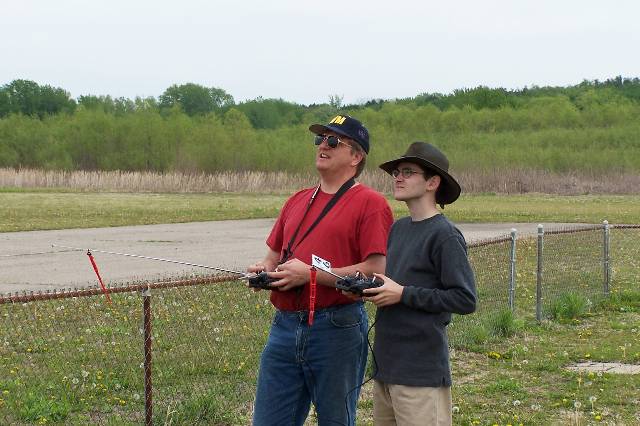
(539, 274)
(148, 406)
(512, 278)
(605, 257)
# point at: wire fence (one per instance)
(560, 271)
(491, 261)
(186, 351)
(573, 269)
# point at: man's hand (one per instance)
(267, 264)
(293, 273)
(259, 267)
(389, 293)
(352, 296)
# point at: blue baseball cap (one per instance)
(346, 126)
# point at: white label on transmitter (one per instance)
(320, 263)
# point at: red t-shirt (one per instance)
(356, 227)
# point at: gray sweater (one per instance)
(428, 258)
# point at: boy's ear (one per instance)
(433, 183)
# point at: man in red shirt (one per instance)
(347, 224)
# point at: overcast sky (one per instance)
(304, 51)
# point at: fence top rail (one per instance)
(625, 226)
(489, 241)
(591, 228)
(573, 230)
(569, 230)
(94, 291)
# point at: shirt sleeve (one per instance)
(374, 230)
(457, 293)
(275, 240)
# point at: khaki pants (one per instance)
(410, 405)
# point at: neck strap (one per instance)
(344, 188)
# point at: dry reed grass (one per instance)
(497, 181)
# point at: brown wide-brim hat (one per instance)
(429, 157)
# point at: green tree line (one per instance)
(592, 126)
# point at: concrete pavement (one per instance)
(29, 262)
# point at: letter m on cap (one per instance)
(338, 119)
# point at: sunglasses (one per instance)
(332, 141)
(406, 173)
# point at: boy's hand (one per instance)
(389, 293)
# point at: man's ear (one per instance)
(357, 158)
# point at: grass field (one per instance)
(78, 361)
(47, 209)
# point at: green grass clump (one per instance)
(568, 306)
(503, 324)
(624, 301)
(37, 406)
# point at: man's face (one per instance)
(335, 159)
(410, 182)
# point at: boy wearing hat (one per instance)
(427, 278)
(316, 351)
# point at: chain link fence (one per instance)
(625, 257)
(571, 269)
(186, 351)
(557, 273)
(493, 267)
(69, 354)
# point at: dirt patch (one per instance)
(466, 367)
(605, 367)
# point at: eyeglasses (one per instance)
(332, 141)
(406, 173)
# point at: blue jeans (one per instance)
(323, 364)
